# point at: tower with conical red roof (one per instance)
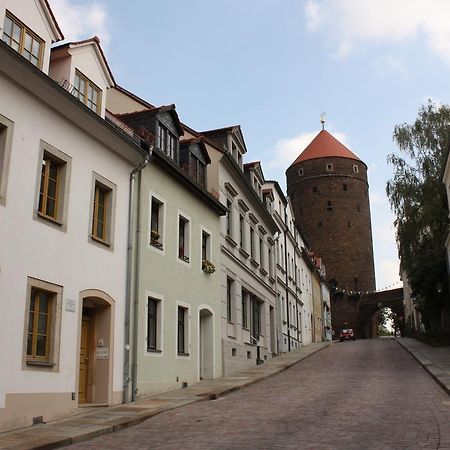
(328, 187)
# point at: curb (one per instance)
(441, 377)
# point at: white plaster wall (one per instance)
(33, 248)
(32, 15)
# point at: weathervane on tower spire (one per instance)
(322, 119)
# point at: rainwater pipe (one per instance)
(287, 277)
(131, 331)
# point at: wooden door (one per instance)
(84, 359)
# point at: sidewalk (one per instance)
(435, 360)
(107, 420)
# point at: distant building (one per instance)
(328, 187)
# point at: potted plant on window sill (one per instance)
(208, 266)
(154, 239)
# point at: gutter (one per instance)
(131, 332)
(287, 278)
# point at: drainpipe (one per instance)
(287, 278)
(128, 306)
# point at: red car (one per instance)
(347, 335)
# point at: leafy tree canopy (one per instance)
(418, 198)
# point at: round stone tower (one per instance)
(328, 187)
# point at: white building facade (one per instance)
(64, 176)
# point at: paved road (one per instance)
(368, 394)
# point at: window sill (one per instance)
(184, 258)
(156, 244)
(243, 252)
(253, 262)
(153, 350)
(263, 271)
(49, 219)
(100, 241)
(40, 363)
(183, 354)
(272, 279)
(231, 241)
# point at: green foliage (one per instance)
(418, 199)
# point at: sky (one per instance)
(273, 66)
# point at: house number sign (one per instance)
(71, 305)
(102, 353)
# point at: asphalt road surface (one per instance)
(367, 394)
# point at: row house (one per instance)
(64, 200)
(176, 313)
(247, 269)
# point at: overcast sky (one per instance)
(273, 66)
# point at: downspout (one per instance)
(128, 305)
(287, 279)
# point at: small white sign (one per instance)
(102, 353)
(71, 305)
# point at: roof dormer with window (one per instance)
(193, 159)
(29, 27)
(82, 69)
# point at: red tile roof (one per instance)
(324, 145)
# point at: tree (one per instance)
(418, 198)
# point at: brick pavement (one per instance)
(367, 394)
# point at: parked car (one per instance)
(347, 334)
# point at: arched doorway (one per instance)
(206, 344)
(96, 348)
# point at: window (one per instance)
(230, 287)
(270, 262)
(182, 331)
(229, 218)
(167, 141)
(301, 171)
(244, 296)
(153, 307)
(329, 167)
(252, 242)
(329, 206)
(355, 168)
(315, 190)
(50, 185)
(6, 129)
(43, 318)
(261, 252)
(344, 187)
(183, 239)
(103, 202)
(206, 246)
(192, 165)
(358, 208)
(87, 92)
(241, 231)
(23, 40)
(156, 223)
(53, 184)
(256, 317)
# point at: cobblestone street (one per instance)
(368, 394)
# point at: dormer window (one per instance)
(87, 92)
(193, 166)
(167, 141)
(23, 40)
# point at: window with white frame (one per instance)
(153, 324)
(156, 223)
(182, 330)
(183, 238)
(167, 141)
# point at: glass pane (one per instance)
(16, 32)
(44, 302)
(8, 26)
(77, 82)
(94, 96)
(28, 42)
(30, 345)
(32, 302)
(100, 230)
(31, 321)
(50, 207)
(15, 45)
(41, 344)
(34, 61)
(36, 48)
(90, 92)
(42, 324)
(52, 189)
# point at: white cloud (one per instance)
(286, 150)
(82, 21)
(350, 23)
